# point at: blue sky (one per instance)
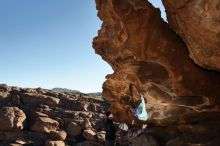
(48, 43)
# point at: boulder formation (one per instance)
(198, 24)
(147, 55)
(167, 63)
(11, 119)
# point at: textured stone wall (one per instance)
(146, 54)
(198, 24)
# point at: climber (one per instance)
(138, 107)
(110, 136)
(140, 111)
(127, 135)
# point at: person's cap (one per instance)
(108, 113)
(123, 126)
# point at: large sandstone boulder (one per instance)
(73, 104)
(73, 129)
(197, 23)
(43, 124)
(152, 58)
(147, 55)
(35, 99)
(11, 119)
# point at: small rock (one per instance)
(101, 136)
(85, 114)
(86, 124)
(54, 143)
(92, 107)
(20, 141)
(58, 135)
(89, 135)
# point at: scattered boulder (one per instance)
(85, 114)
(58, 135)
(44, 124)
(89, 134)
(73, 104)
(97, 124)
(86, 124)
(74, 129)
(93, 107)
(54, 143)
(4, 98)
(101, 136)
(46, 115)
(35, 99)
(4, 88)
(15, 99)
(11, 119)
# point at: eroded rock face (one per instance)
(198, 24)
(11, 119)
(147, 55)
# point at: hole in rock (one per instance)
(159, 4)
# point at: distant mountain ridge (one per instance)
(76, 91)
(95, 94)
(65, 90)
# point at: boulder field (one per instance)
(41, 117)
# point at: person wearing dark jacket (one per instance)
(110, 136)
(127, 135)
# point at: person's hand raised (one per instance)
(144, 126)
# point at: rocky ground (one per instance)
(45, 117)
(40, 117)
